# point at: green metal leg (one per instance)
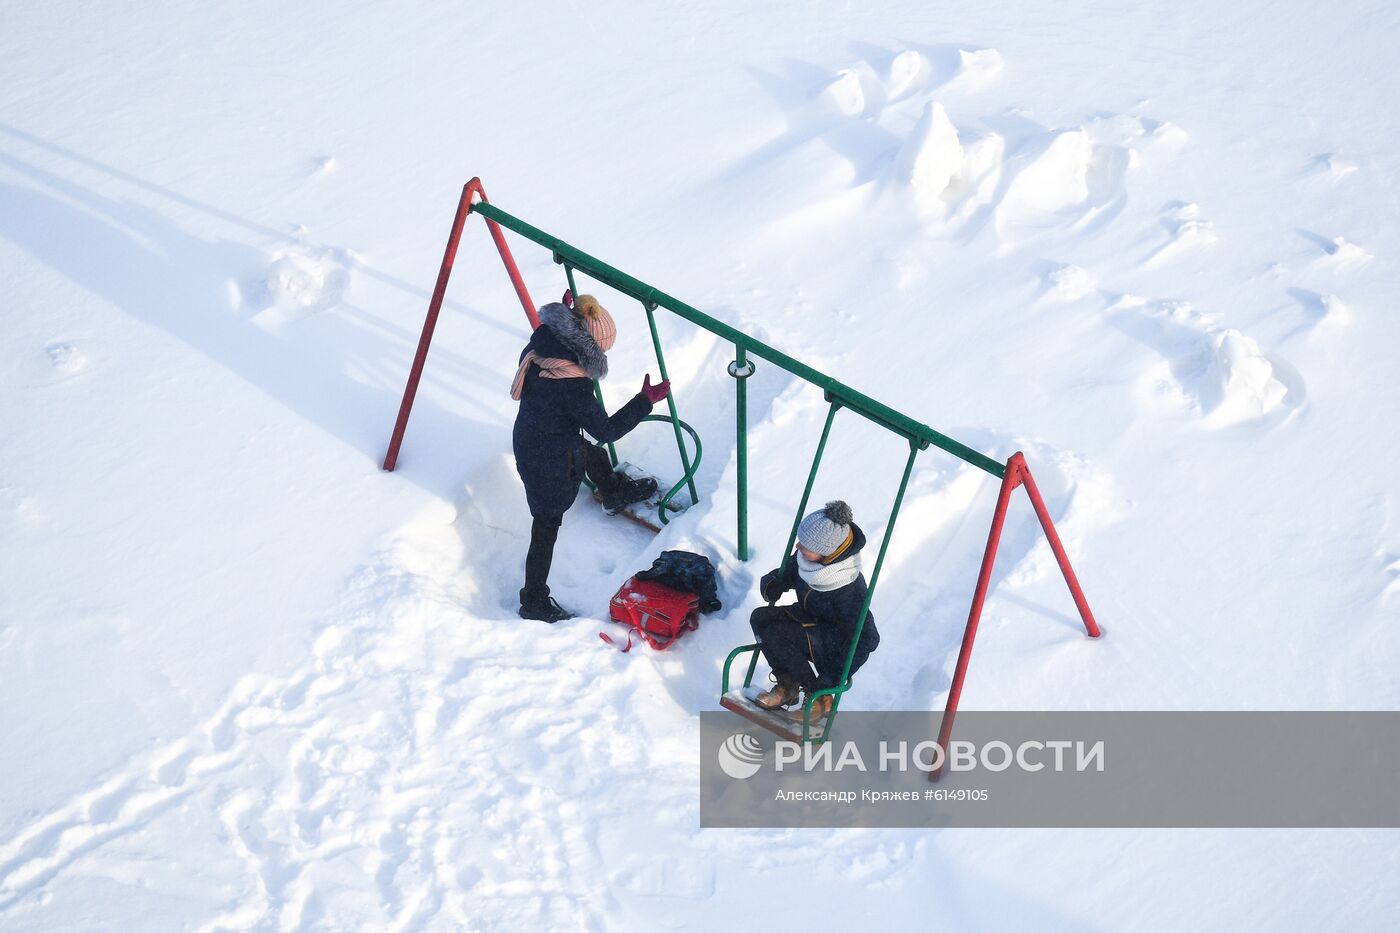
(670, 400)
(753, 664)
(741, 369)
(729, 662)
(811, 478)
(597, 389)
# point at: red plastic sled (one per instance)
(657, 613)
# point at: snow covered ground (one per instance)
(248, 681)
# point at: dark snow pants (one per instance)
(795, 644)
(785, 642)
(545, 530)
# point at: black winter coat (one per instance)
(546, 439)
(830, 617)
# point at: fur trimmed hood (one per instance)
(573, 334)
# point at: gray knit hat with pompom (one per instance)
(826, 529)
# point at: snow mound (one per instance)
(932, 154)
(1187, 232)
(1323, 312)
(907, 71)
(1239, 382)
(845, 94)
(1052, 186)
(1214, 373)
(1344, 252)
(977, 178)
(1068, 283)
(1171, 134)
(976, 66)
(1332, 311)
(948, 177)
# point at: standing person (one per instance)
(817, 630)
(553, 385)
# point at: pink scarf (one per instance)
(551, 367)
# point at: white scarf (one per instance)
(826, 577)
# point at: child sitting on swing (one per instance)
(816, 631)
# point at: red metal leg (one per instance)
(471, 190)
(1017, 474)
(512, 270)
(434, 306)
(1009, 482)
(1090, 625)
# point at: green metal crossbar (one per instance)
(858, 402)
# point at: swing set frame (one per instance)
(1013, 473)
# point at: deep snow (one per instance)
(249, 681)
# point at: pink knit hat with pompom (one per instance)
(598, 321)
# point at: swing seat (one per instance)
(645, 512)
(786, 724)
(779, 722)
(657, 511)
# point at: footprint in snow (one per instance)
(57, 362)
(1186, 231)
(297, 283)
(1066, 283)
(1322, 312)
(1337, 252)
(1331, 166)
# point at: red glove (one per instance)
(655, 393)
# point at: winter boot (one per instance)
(627, 491)
(542, 608)
(821, 706)
(785, 693)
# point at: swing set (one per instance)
(1013, 473)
